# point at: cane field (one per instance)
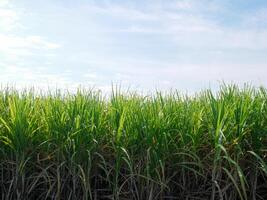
(126, 145)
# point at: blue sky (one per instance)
(183, 44)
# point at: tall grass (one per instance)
(128, 146)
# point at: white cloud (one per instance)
(147, 74)
(13, 43)
(183, 4)
(8, 19)
(125, 13)
(40, 43)
(90, 76)
(3, 2)
(198, 6)
(13, 47)
(193, 28)
(38, 77)
(9, 42)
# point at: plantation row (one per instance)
(129, 146)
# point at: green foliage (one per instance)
(128, 146)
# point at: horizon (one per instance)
(128, 92)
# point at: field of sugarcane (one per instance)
(60, 145)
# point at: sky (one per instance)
(139, 44)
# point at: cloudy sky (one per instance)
(144, 44)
